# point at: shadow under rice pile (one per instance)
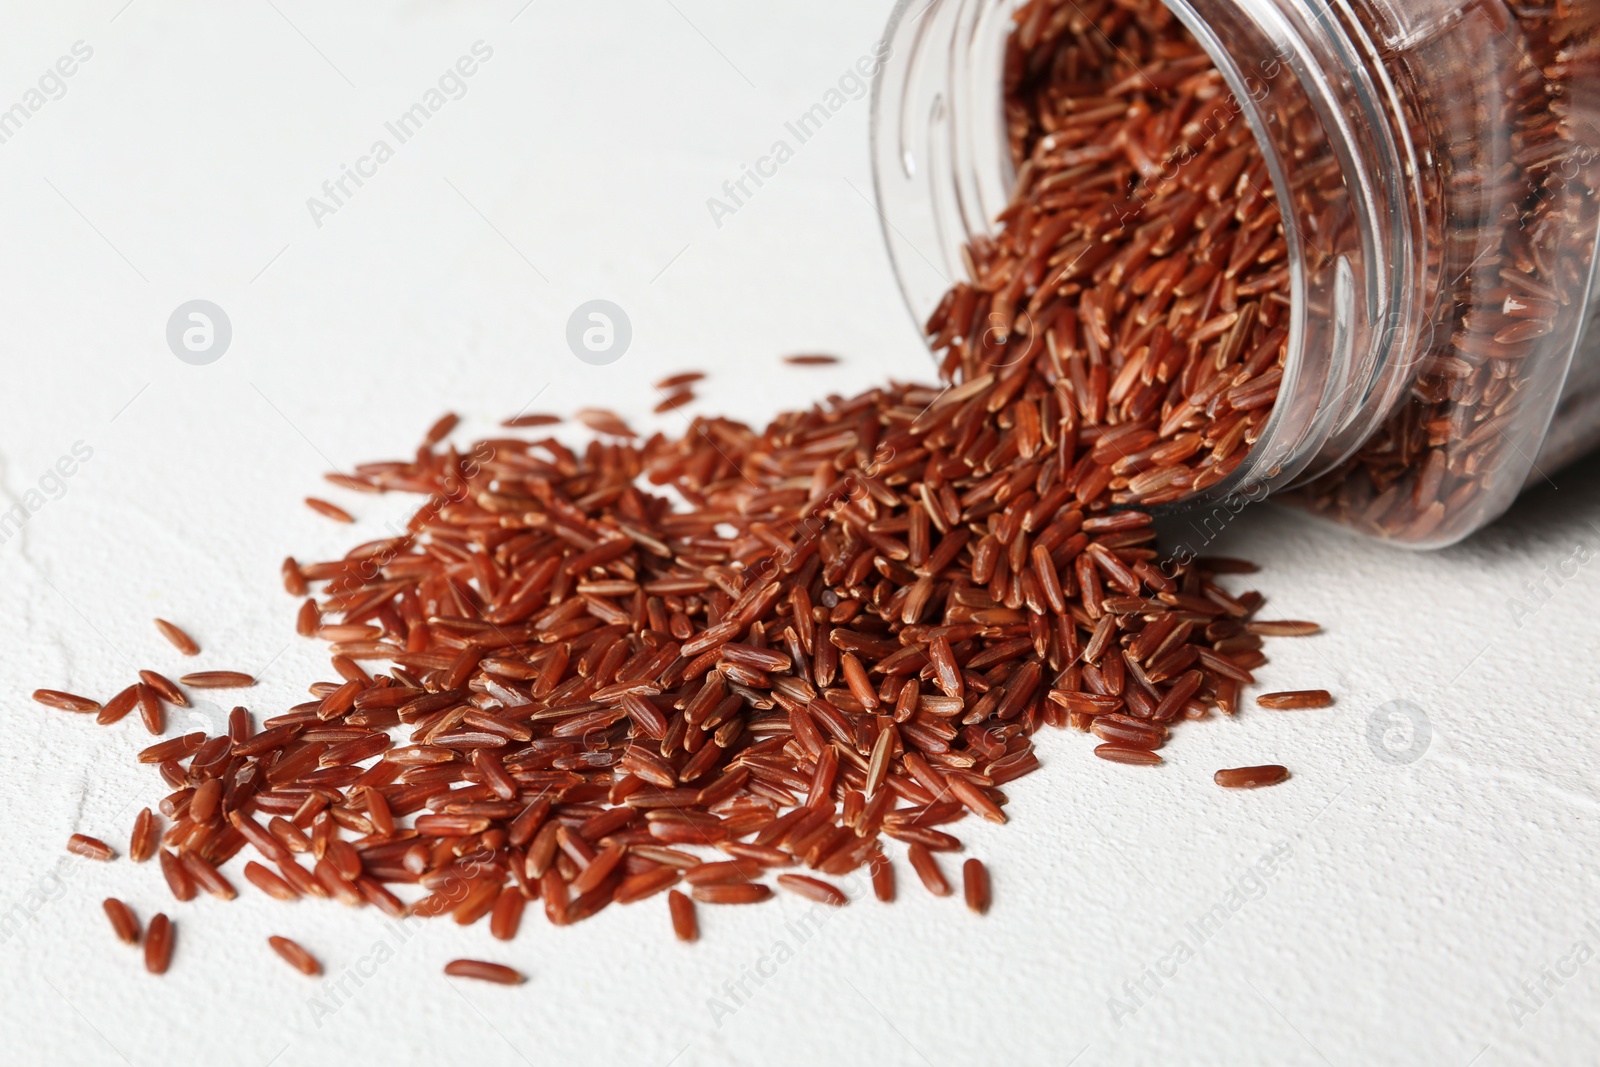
(835, 639)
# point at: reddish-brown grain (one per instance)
(975, 885)
(55, 698)
(123, 922)
(673, 401)
(218, 680)
(180, 640)
(927, 869)
(165, 688)
(1251, 777)
(158, 944)
(1127, 754)
(151, 711)
(814, 889)
(117, 707)
(89, 847)
(1296, 699)
(731, 893)
(179, 880)
(144, 839)
(295, 956)
(498, 973)
(328, 510)
(440, 429)
(684, 923)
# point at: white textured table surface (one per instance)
(1442, 911)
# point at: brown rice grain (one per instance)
(684, 923)
(975, 884)
(158, 944)
(882, 878)
(927, 869)
(179, 880)
(328, 510)
(89, 847)
(118, 706)
(180, 640)
(55, 698)
(269, 882)
(151, 711)
(484, 972)
(732, 893)
(814, 889)
(1283, 628)
(1295, 699)
(295, 956)
(673, 401)
(309, 619)
(604, 422)
(123, 921)
(506, 918)
(218, 680)
(1127, 754)
(143, 841)
(1251, 777)
(164, 688)
(440, 429)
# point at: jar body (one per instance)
(1435, 164)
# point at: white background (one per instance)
(1415, 901)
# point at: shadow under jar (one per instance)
(1434, 168)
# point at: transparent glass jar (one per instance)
(1436, 165)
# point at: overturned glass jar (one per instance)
(1411, 192)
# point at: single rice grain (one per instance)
(1251, 777)
(123, 921)
(118, 706)
(180, 640)
(734, 893)
(89, 847)
(975, 883)
(484, 972)
(927, 869)
(814, 889)
(218, 680)
(142, 843)
(165, 688)
(440, 429)
(684, 923)
(1295, 699)
(55, 698)
(158, 944)
(296, 956)
(331, 511)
